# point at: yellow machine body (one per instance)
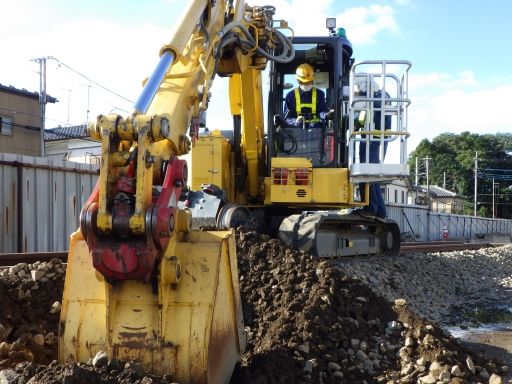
(295, 181)
(192, 328)
(213, 153)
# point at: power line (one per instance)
(496, 170)
(26, 126)
(500, 174)
(60, 122)
(13, 112)
(497, 177)
(88, 79)
(16, 112)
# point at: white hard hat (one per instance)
(361, 81)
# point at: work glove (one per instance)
(299, 120)
(330, 114)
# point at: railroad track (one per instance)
(8, 259)
(439, 246)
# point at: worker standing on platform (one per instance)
(376, 206)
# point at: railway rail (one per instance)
(9, 259)
(439, 246)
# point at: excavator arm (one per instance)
(140, 283)
(139, 152)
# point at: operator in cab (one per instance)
(305, 106)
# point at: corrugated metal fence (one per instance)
(426, 225)
(40, 202)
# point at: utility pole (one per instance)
(42, 97)
(88, 94)
(69, 101)
(427, 159)
(493, 198)
(494, 201)
(416, 174)
(444, 180)
(416, 181)
(476, 182)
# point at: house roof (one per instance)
(436, 191)
(23, 92)
(66, 133)
(399, 183)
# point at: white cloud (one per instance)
(442, 103)
(465, 78)
(403, 2)
(366, 23)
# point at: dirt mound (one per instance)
(112, 373)
(302, 314)
(306, 322)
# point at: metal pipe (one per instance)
(153, 83)
(19, 205)
(9, 259)
(49, 167)
(169, 52)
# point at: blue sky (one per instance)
(461, 79)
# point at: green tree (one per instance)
(452, 158)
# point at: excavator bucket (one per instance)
(187, 323)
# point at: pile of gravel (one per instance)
(446, 287)
(306, 322)
(310, 322)
(30, 297)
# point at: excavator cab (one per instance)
(311, 160)
(329, 152)
(331, 60)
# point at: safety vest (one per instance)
(299, 105)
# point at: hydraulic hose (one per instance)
(226, 37)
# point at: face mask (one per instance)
(306, 87)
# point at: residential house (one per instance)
(395, 192)
(439, 199)
(72, 144)
(20, 122)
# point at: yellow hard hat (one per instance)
(305, 73)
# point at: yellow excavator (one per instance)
(152, 272)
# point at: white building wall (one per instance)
(396, 193)
(78, 150)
